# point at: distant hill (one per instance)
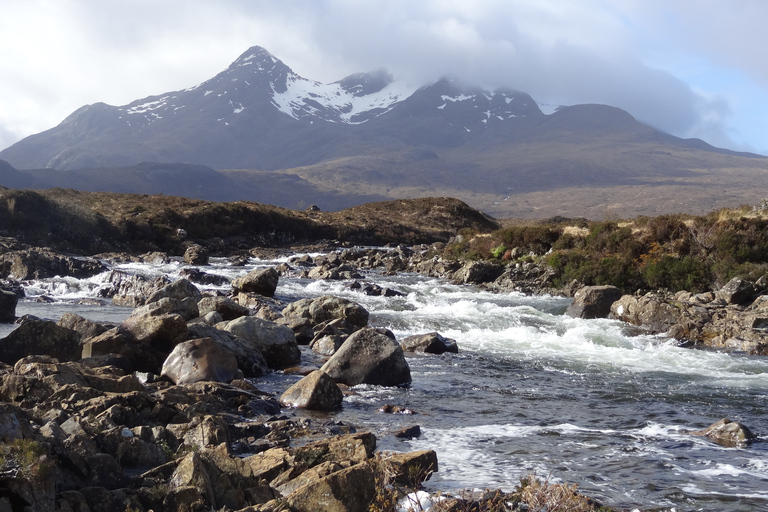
(95, 222)
(258, 131)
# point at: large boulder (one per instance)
(196, 255)
(151, 324)
(327, 307)
(142, 356)
(369, 357)
(330, 335)
(249, 358)
(315, 391)
(8, 301)
(737, 291)
(198, 276)
(181, 289)
(477, 272)
(131, 289)
(430, 343)
(276, 342)
(261, 281)
(40, 337)
(593, 302)
(200, 360)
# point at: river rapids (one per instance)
(595, 403)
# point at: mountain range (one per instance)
(258, 131)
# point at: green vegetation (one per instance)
(674, 252)
(25, 458)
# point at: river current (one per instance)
(595, 403)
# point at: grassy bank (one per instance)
(94, 222)
(675, 252)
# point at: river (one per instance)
(595, 403)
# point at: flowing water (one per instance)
(590, 402)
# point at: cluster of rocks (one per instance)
(734, 318)
(155, 413)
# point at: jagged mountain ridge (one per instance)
(257, 114)
(258, 131)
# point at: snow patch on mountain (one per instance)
(548, 109)
(460, 97)
(332, 102)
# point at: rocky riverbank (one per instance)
(157, 413)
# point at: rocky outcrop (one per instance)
(315, 391)
(706, 319)
(738, 291)
(43, 263)
(369, 357)
(651, 311)
(593, 302)
(93, 438)
(430, 343)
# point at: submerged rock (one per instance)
(727, 432)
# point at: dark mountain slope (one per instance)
(257, 131)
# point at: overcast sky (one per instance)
(693, 68)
